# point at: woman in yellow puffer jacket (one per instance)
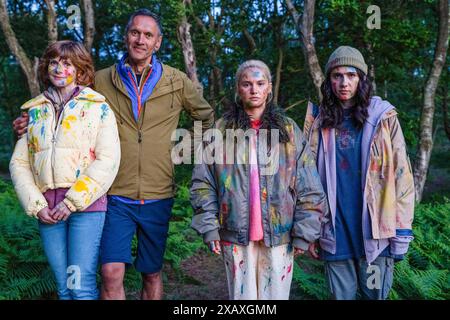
(63, 167)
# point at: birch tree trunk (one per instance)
(184, 37)
(304, 25)
(51, 21)
(29, 68)
(426, 122)
(89, 24)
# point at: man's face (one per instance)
(344, 82)
(143, 39)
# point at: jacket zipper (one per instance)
(372, 139)
(269, 217)
(55, 128)
(138, 92)
(247, 171)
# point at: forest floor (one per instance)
(200, 277)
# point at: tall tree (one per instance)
(278, 34)
(425, 147)
(29, 68)
(184, 37)
(52, 23)
(304, 25)
(89, 23)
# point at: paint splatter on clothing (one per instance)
(257, 272)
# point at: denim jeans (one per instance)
(374, 282)
(72, 249)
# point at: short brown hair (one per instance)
(78, 55)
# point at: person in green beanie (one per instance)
(361, 157)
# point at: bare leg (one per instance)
(112, 281)
(152, 286)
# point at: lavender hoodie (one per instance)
(326, 162)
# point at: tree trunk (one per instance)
(89, 23)
(185, 39)
(426, 122)
(278, 33)
(28, 68)
(445, 111)
(276, 89)
(51, 21)
(305, 28)
(372, 68)
(251, 41)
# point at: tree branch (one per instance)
(295, 104)
(305, 28)
(51, 21)
(19, 53)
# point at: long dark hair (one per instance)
(272, 118)
(332, 110)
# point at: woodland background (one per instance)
(408, 63)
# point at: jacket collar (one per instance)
(87, 94)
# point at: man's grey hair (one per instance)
(147, 13)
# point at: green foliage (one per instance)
(423, 274)
(309, 278)
(182, 241)
(24, 271)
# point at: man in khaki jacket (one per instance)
(147, 98)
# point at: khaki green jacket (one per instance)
(146, 169)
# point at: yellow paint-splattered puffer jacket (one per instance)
(80, 151)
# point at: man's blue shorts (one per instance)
(150, 221)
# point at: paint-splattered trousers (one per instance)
(257, 272)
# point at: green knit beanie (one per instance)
(346, 56)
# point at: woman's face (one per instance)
(61, 72)
(344, 82)
(253, 88)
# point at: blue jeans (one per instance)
(72, 249)
(374, 282)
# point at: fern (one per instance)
(423, 274)
(311, 283)
(25, 274)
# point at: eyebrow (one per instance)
(134, 29)
(341, 73)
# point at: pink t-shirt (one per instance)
(256, 229)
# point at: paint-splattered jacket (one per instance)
(387, 181)
(293, 202)
(80, 151)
